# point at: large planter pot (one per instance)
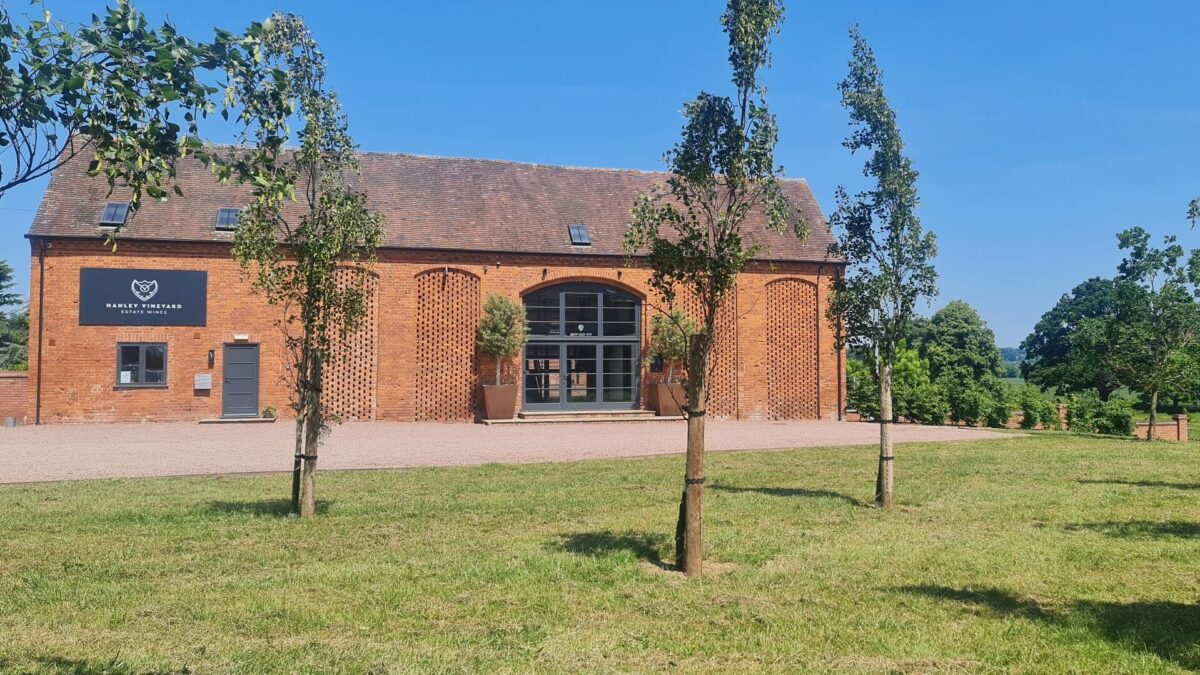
(669, 397)
(499, 401)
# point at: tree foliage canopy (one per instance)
(723, 167)
(296, 260)
(1151, 338)
(14, 326)
(130, 94)
(1052, 362)
(960, 341)
(887, 252)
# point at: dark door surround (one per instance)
(239, 380)
(582, 363)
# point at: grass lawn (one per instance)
(1035, 554)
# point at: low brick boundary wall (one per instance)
(1176, 430)
(14, 396)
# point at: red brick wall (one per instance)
(421, 336)
(1176, 430)
(14, 397)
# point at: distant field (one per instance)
(1042, 553)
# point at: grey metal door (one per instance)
(239, 391)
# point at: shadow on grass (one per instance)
(58, 664)
(1143, 483)
(642, 545)
(994, 600)
(1142, 529)
(789, 492)
(1169, 630)
(262, 508)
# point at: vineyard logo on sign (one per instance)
(144, 290)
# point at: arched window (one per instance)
(582, 348)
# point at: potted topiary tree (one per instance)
(501, 334)
(669, 338)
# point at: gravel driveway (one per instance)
(71, 452)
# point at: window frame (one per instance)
(105, 221)
(141, 367)
(236, 219)
(579, 234)
(601, 321)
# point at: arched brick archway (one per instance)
(792, 359)
(447, 383)
(557, 279)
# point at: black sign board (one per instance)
(110, 297)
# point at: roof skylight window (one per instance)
(115, 214)
(579, 235)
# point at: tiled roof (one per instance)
(428, 203)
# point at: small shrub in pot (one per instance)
(500, 335)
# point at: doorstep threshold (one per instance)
(239, 420)
(583, 420)
(634, 412)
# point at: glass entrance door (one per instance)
(582, 349)
(581, 376)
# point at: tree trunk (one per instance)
(885, 477)
(689, 548)
(497, 370)
(311, 402)
(298, 459)
(1150, 432)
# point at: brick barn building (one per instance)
(168, 328)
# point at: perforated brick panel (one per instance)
(349, 376)
(722, 360)
(791, 350)
(447, 387)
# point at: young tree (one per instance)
(1051, 362)
(691, 232)
(317, 264)
(127, 93)
(880, 237)
(1154, 332)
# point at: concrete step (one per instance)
(605, 414)
(584, 416)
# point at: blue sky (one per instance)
(1040, 129)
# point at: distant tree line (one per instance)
(14, 324)
(948, 368)
(1139, 330)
